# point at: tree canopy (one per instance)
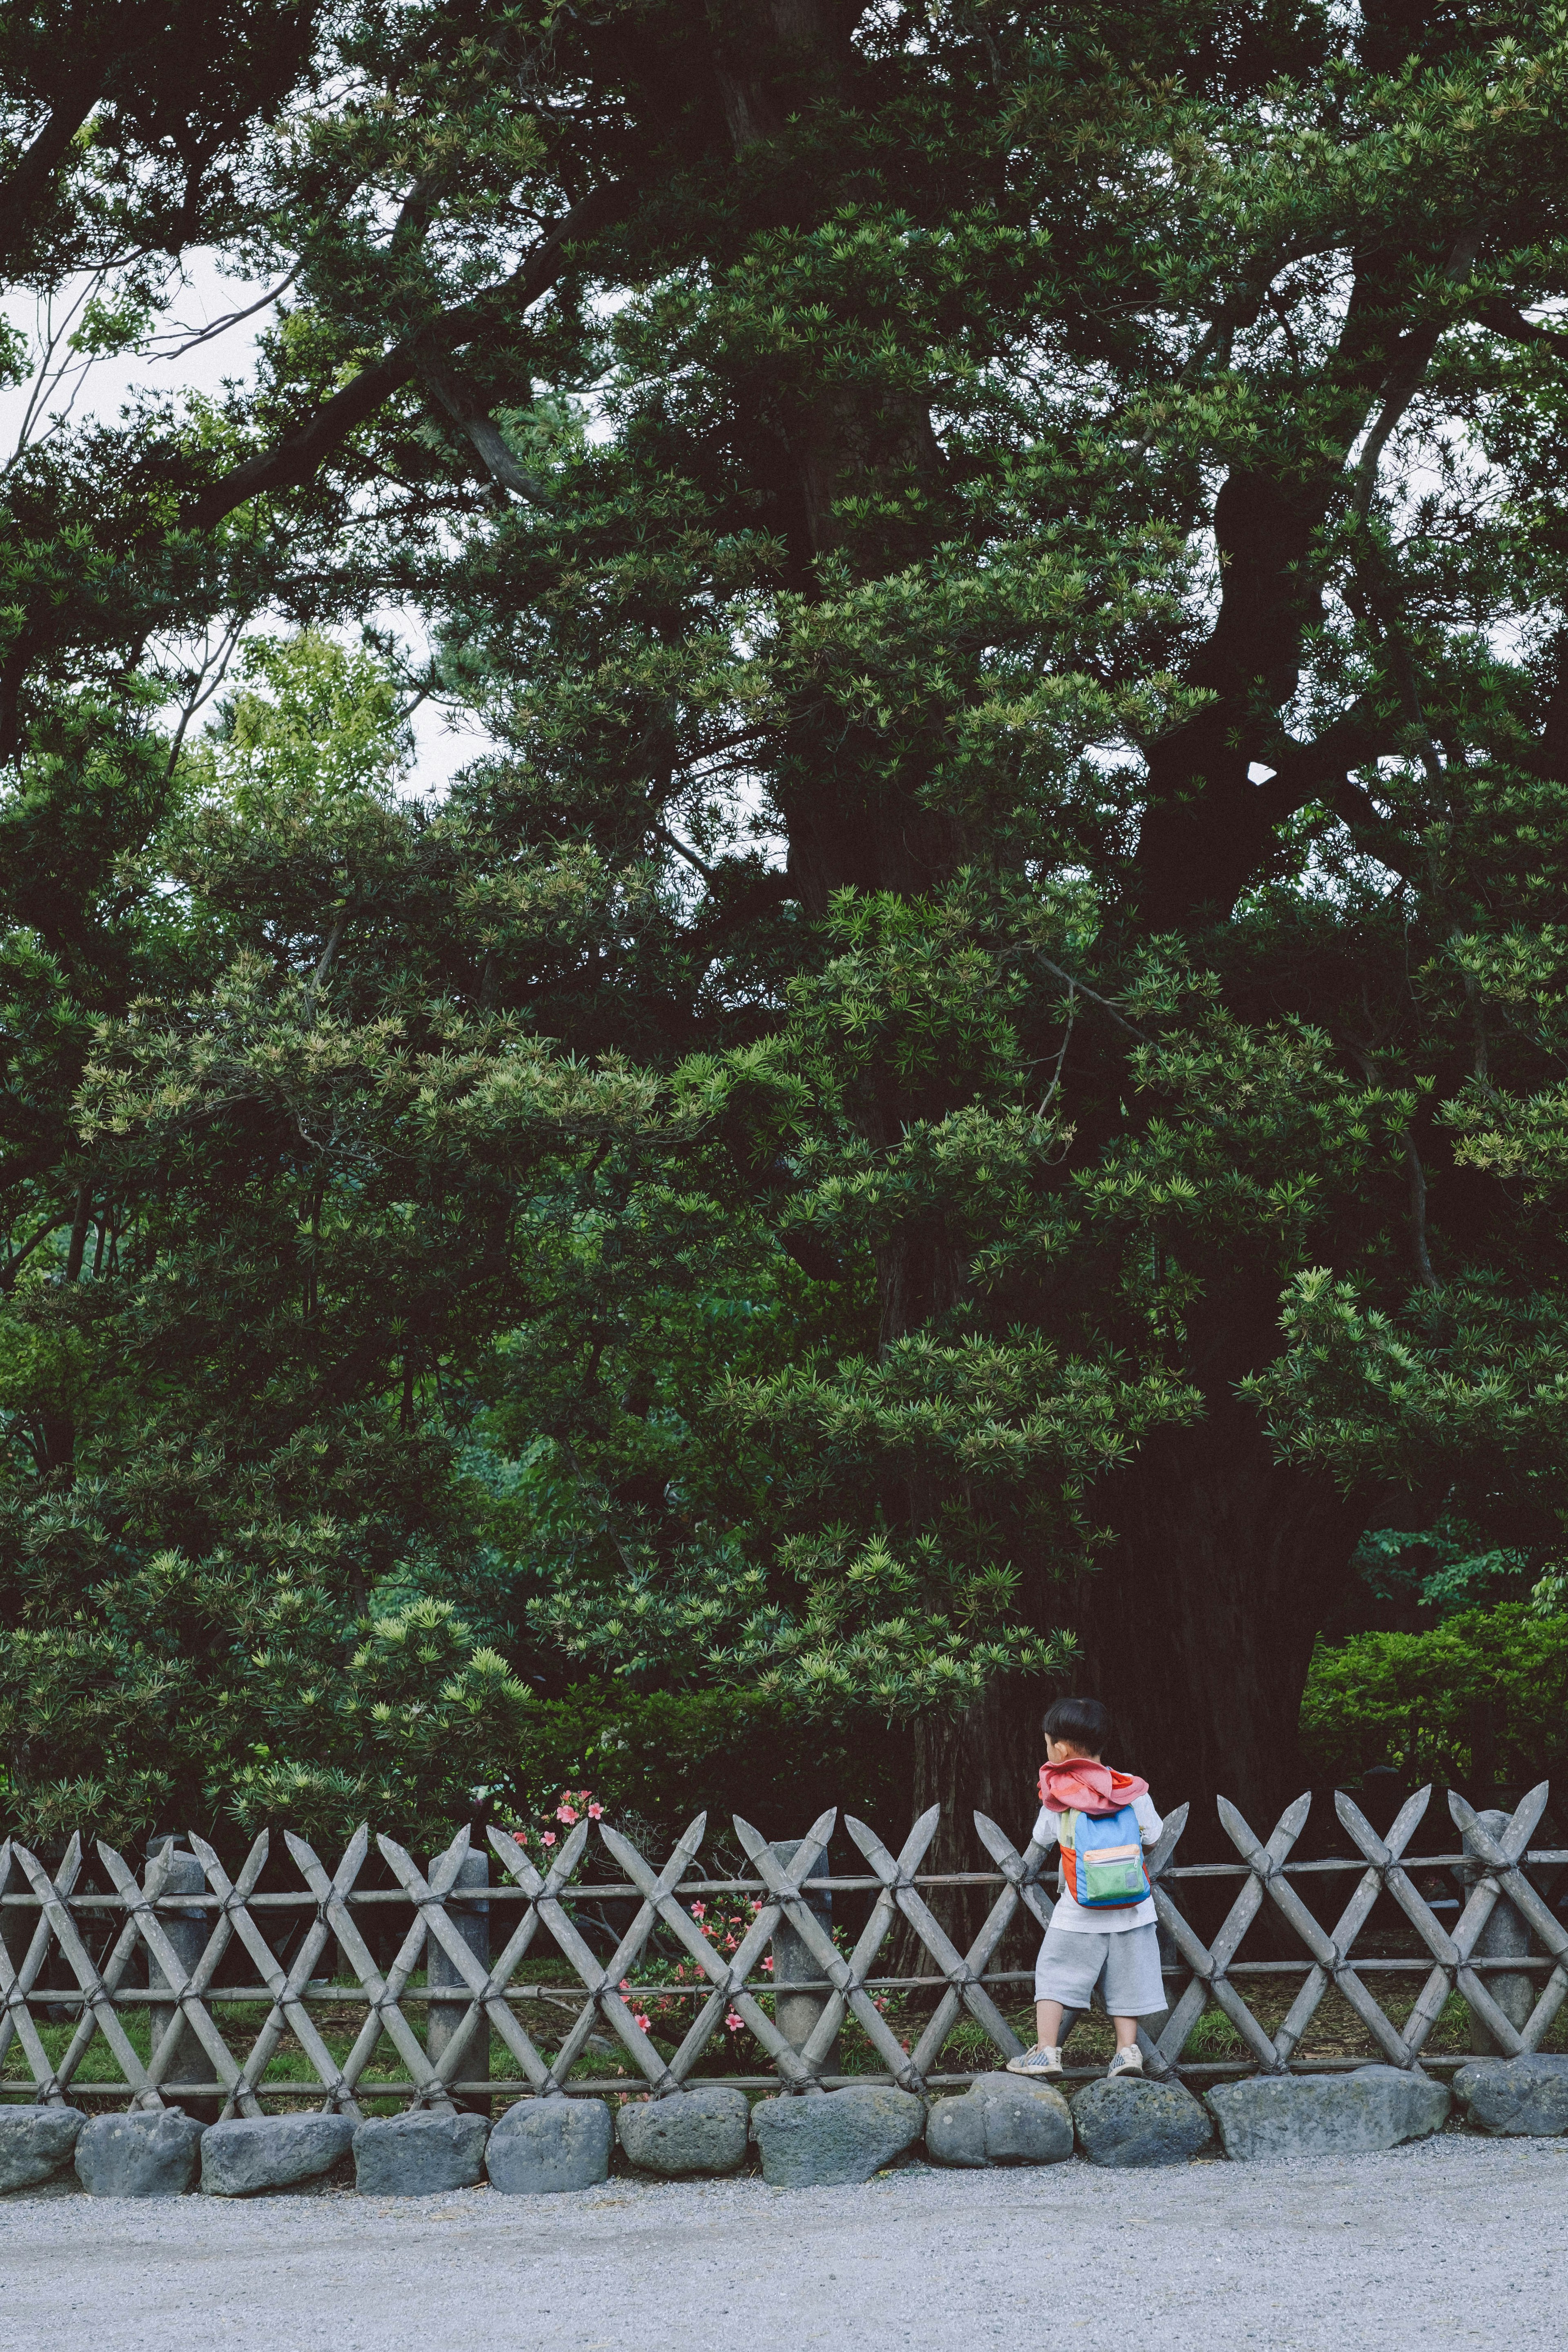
(971, 1088)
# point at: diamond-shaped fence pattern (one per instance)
(78, 1963)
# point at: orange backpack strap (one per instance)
(1068, 1851)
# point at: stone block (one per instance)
(254, 2152)
(1515, 2097)
(36, 2142)
(702, 2130)
(832, 2137)
(1269, 2117)
(151, 2152)
(542, 2147)
(419, 2155)
(1000, 2119)
(1126, 2121)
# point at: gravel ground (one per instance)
(1453, 2241)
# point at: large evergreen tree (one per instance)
(1012, 558)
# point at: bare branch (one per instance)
(1050, 1095)
(1104, 1003)
(233, 318)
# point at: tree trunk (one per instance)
(1199, 1632)
(987, 1760)
(55, 1449)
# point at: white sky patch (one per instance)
(207, 337)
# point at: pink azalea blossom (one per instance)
(639, 2018)
(564, 1814)
(547, 1837)
(596, 1810)
(734, 2021)
(700, 1910)
(768, 1963)
(625, 1985)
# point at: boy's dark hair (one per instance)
(1083, 1721)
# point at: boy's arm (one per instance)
(1149, 1822)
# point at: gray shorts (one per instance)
(1124, 1965)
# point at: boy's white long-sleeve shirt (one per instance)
(1069, 1914)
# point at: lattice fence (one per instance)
(130, 1945)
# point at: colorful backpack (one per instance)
(1102, 1859)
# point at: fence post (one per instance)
(1505, 1936)
(472, 1921)
(187, 1931)
(795, 2013)
(16, 1924)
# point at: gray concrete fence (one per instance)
(230, 2064)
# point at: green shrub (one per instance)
(1483, 1695)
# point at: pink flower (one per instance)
(729, 1943)
(639, 2017)
(564, 1814)
(768, 1963)
(700, 1910)
(547, 1838)
(734, 2021)
(596, 1812)
(521, 1836)
(625, 1985)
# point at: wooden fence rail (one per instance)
(135, 1947)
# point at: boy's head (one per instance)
(1077, 1727)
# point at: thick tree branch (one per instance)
(1505, 320)
(14, 1265)
(469, 412)
(1418, 1215)
(1320, 770)
(295, 459)
(318, 978)
(36, 166)
(1411, 357)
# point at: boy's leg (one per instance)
(1064, 1975)
(1133, 1989)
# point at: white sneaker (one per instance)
(1126, 2062)
(1043, 2063)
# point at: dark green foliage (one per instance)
(659, 1757)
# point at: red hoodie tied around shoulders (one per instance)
(1081, 1786)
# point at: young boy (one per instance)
(1119, 1947)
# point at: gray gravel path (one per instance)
(1453, 2242)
